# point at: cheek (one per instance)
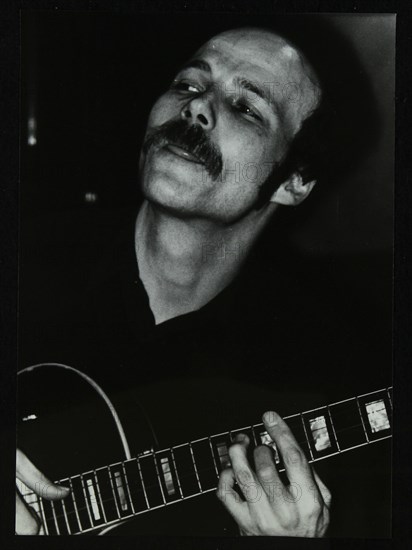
(248, 158)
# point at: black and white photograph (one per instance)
(205, 273)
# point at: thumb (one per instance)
(35, 480)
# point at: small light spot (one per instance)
(91, 197)
(31, 131)
(29, 417)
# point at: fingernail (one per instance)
(271, 418)
(239, 438)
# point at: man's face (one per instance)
(216, 134)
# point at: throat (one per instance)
(185, 263)
(182, 265)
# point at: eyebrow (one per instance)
(197, 64)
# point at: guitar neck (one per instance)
(111, 494)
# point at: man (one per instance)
(217, 140)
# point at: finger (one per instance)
(268, 475)
(324, 491)
(229, 497)
(35, 480)
(296, 466)
(244, 474)
(26, 521)
(265, 467)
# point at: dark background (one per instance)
(10, 185)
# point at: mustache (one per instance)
(190, 137)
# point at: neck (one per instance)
(184, 263)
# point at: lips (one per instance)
(182, 153)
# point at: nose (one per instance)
(199, 110)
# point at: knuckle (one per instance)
(225, 476)
(293, 456)
(235, 449)
(316, 508)
(261, 451)
(244, 477)
(328, 498)
(266, 473)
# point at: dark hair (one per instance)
(345, 126)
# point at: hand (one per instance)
(27, 521)
(300, 509)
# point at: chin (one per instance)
(172, 196)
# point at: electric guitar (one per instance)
(103, 496)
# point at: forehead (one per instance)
(258, 51)
(268, 60)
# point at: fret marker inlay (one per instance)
(320, 433)
(167, 475)
(377, 416)
(266, 440)
(120, 490)
(223, 453)
(92, 494)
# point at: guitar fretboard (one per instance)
(111, 494)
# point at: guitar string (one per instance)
(154, 485)
(300, 442)
(158, 482)
(158, 506)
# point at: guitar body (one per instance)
(64, 425)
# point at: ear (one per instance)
(292, 191)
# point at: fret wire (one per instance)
(213, 456)
(85, 498)
(389, 397)
(66, 519)
(199, 440)
(176, 473)
(113, 491)
(44, 515)
(306, 435)
(127, 487)
(54, 517)
(370, 393)
(143, 484)
(194, 464)
(100, 495)
(75, 504)
(333, 427)
(159, 478)
(363, 423)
